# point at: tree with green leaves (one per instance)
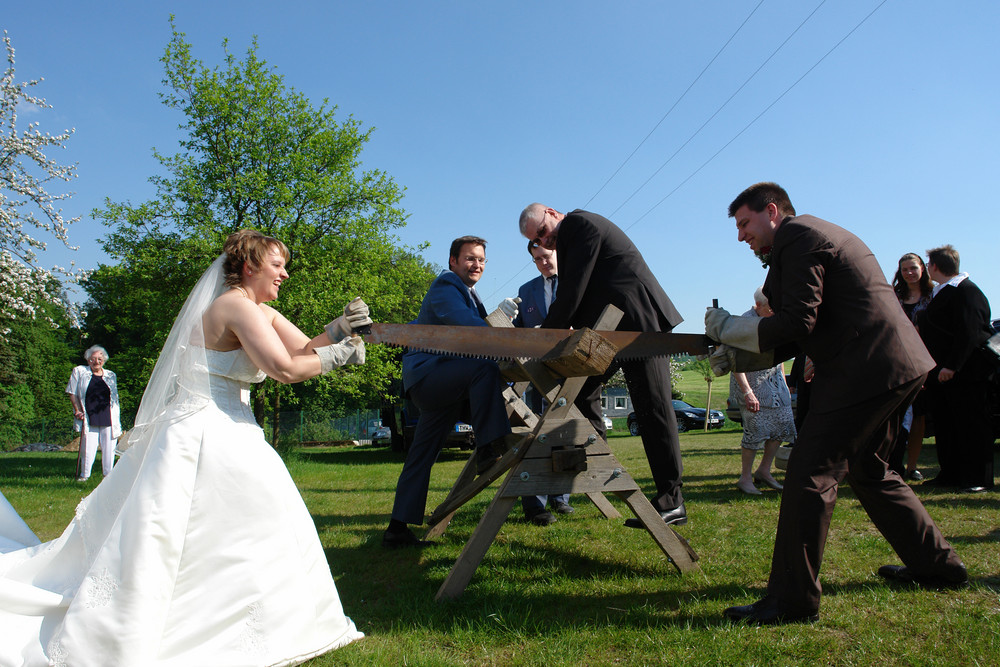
(258, 154)
(36, 359)
(704, 369)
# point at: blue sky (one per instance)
(879, 116)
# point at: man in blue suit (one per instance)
(444, 388)
(536, 295)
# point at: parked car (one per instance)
(688, 417)
(608, 424)
(405, 417)
(375, 431)
(463, 435)
(733, 409)
(381, 436)
(370, 427)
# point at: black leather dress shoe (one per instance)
(405, 538)
(957, 578)
(675, 517)
(562, 508)
(542, 518)
(766, 611)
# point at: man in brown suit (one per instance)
(832, 302)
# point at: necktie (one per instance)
(553, 282)
(479, 304)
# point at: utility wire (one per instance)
(650, 133)
(735, 137)
(674, 106)
(719, 110)
(761, 114)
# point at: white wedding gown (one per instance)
(196, 551)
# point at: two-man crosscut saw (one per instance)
(523, 343)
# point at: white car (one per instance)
(377, 432)
(608, 425)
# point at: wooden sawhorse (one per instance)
(558, 452)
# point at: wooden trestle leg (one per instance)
(558, 452)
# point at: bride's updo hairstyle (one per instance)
(248, 247)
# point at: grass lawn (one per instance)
(588, 591)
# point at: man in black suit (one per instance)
(599, 265)
(954, 327)
(536, 295)
(832, 303)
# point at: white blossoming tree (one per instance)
(26, 206)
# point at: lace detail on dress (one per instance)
(58, 655)
(252, 640)
(101, 588)
(81, 507)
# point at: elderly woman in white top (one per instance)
(93, 390)
(766, 408)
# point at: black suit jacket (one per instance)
(954, 325)
(832, 302)
(598, 265)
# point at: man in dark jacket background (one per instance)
(954, 327)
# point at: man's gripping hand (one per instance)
(727, 359)
(732, 330)
(509, 307)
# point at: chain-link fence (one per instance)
(317, 428)
(57, 432)
(296, 428)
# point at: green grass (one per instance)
(588, 591)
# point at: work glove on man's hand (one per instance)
(509, 307)
(732, 330)
(355, 315)
(727, 359)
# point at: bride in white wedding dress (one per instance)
(197, 550)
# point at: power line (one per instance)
(674, 106)
(737, 135)
(761, 114)
(719, 110)
(649, 134)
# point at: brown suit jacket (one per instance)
(832, 302)
(598, 265)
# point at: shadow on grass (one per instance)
(356, 456)
(30, 469)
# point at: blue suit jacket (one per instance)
(532, 309)
(447, 302)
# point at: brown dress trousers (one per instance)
(832, 302)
